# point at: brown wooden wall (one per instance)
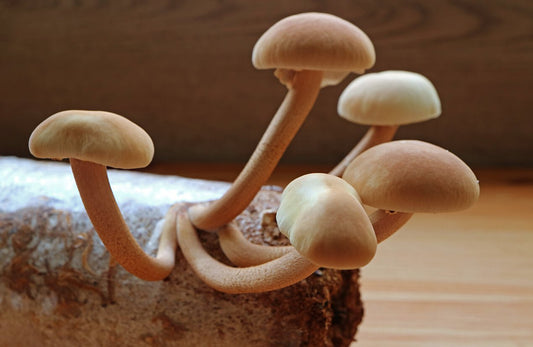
(182, 70)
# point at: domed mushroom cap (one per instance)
(412, 176)
(324, 220)
(315, 41)
(95, 136)
(389, 98)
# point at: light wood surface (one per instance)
(458, 279)
(455, 279)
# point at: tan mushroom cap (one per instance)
(100, 137)
(412, 176)
(389, 98)
(324, 220)
(315, 41)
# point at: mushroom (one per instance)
(325, 222)
(323, 219)
(400, 178)
(93, 140)
(385, 100)
(308, 50)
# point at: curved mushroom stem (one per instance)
(279, 273)
(242, 252)
(303, 91)
(105, 215)
(375, 135)
(386, 223)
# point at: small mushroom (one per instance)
(385, 100)
(93, 140)
(404, 177)
(324, 220)
(308, 50)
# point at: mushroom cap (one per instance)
(412, 176)
(95, 136)
(389, 98)
(324, 220)
(315, 41)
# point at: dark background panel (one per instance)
(182, 70)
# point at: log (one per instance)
(58, 286)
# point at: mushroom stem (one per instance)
(375, 135)
(242, 252)
(386, 223)
(303, 91)
(105, 215)
(279, 273)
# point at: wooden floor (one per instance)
(455, 279)
(461, 279)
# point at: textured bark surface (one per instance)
(57, 286)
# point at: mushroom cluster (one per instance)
(323, 215)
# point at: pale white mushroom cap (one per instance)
(96, 136)
(324, 220)
(389, 98)
(315, 41)
(412, 176)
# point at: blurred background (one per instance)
(182, 70)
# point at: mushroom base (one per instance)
(59, 288)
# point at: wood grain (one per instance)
(182, 70)
(461, 279)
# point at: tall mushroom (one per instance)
(400, 178)
(325, 222)
(385, 100)
(93, 140)
(308, 50)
